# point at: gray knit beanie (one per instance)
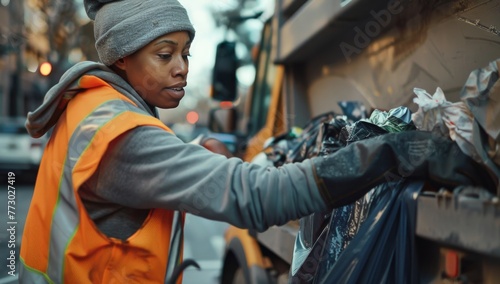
(121, 27)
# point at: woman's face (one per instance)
(158, 71)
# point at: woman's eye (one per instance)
(164, 55)
(185, 56)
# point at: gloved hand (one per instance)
(348, 174)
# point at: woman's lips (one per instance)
(177, 93)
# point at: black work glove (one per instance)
(348, 174)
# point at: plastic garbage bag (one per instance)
(360, 130)
(329, 138)
(342, 228)
(320, 137)
(481, 94)
(383, 249)
(307, 144)
(431, 110)
(474, 122)
(437, 114)
(277, 148)
(338, 228)
(345, 221)
(353, 110)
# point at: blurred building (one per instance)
(59, 32)
(34, 32)
(11, 41)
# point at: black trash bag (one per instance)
(383, 250)
(330, 135)
(360, 130)
(354, 110)
(343, 227)
(321, 138)
(279, 147)
(307, 143)
(345, 220)
(295, 147)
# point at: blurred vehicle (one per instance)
(19, 152)
(315, 54)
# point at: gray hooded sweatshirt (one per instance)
(148, 167)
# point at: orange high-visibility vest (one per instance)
(61, 244)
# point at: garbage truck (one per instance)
(317, 56)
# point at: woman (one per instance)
(112, 174)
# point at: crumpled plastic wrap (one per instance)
(452, 119)
(481, 94)
(395, 120)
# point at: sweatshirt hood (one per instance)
(39, 121)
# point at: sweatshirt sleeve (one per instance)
(148, 167)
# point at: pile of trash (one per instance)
(371, 240)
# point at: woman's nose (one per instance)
(181, 67)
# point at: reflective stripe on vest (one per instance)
(28, 275)
(115, 115)
(65, 219)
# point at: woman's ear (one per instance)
(120, 64)
(120, 68)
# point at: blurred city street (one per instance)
(204, 243)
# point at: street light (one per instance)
(45, 68)
(192, 117)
